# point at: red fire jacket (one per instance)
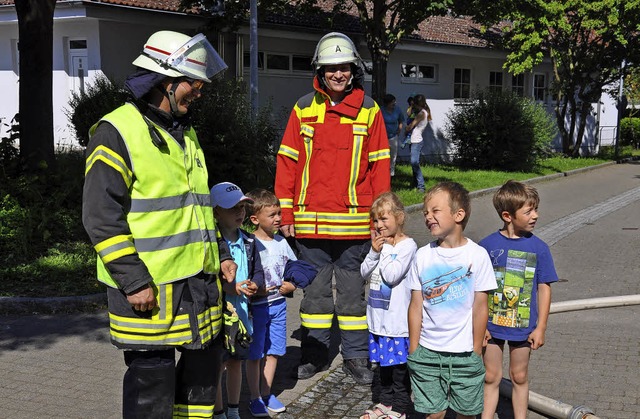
(332, 163)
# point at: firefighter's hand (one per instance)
(288, 230)
(142, 299)
(228, 270)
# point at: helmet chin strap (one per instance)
(171, 95)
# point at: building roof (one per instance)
(451, 30)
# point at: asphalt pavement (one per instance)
(63, 366)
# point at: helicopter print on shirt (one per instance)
(433, 289)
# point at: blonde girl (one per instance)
(385, 267)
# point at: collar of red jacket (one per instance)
(350, 105)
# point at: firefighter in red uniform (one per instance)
(332, 162)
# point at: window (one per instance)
(462, 83)
(517, 84)
(278, 62)
(495, 81)
(247, 60)
(418, 72)
(539, 87)
(301, 63)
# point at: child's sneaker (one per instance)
(233, 413)
(274, 404)
(258, 408)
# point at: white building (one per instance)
(445, 60)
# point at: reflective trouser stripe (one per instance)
(317, 321)
(352, 323)
(192, 411)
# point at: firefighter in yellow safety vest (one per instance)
(147, 212)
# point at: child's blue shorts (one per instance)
(269, 329)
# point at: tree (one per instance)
(632, 89)
(383, 22)
(35, 33)
(587, 42)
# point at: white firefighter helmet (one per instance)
(177, 55)
(335, 48)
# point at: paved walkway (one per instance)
(62, 365)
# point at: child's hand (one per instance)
(287, 287)
(377, 240)
(246, 287)
(487, 337)
(536, 338)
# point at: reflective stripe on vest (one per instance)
(171, 222)
(316, 321)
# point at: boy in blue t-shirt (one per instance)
(519, 307)
(270, 312)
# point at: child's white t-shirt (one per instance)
(389, 297)
(448, 279)
(274, 255)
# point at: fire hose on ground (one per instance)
(555, 408)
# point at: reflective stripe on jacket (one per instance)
(171, 220)
(332, 163)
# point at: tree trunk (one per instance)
(379, 85)
(584, 112)
(35, 32)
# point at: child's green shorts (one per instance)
(443, 379)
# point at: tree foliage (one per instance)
(382, 22)
(587, 42)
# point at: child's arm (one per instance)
(393, 269)
(480, 319)
(371, 260)
(415, 319)
(536, 338)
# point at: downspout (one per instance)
(555, 408)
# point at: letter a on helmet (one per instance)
(335, 48)
(177, 55)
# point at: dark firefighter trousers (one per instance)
(340, 259)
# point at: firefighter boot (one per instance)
(358, 368)
(148, 389)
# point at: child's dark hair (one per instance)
(458, 198)
(388, 202)
(261, 198)
(514, 195)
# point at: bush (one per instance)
(40, 210)
(86, 108)
(630, 132)
(237, 149)
(501, 131)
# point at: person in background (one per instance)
(410, 116)
(229, 208)
(393, 122)
(519, 308)
(417, 126)
(146, 208)
(386, 267)
(332, 162)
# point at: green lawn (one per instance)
(473, 180)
